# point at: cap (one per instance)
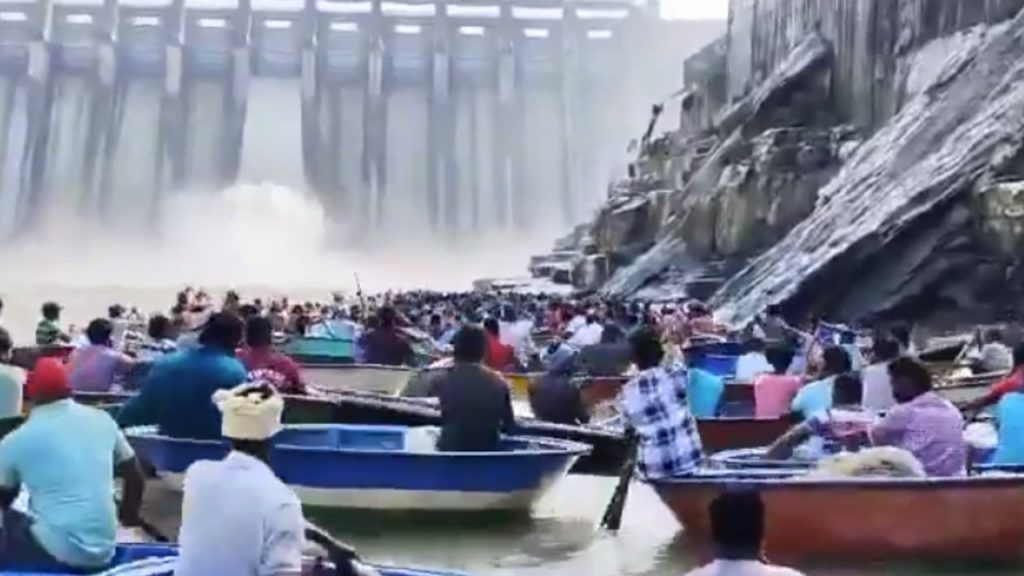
(48, 379)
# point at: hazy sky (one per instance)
(695, 9)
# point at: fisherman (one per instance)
(654, 403)
(773, 393)
(923, 423)
(737, 528)
(12, 380)
(48, 331)
(554, 397)
(817, 396)
(826, 429)
(96, 366)
(753, 362)
(476, 404)
(499, 356)
(238, 518)
(160, 339)
(266, 364)
(877, 384)
(385, 345)
(175, 394)
(64, 456)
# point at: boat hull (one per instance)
(389, 380)
(870, 519)
(375, 469)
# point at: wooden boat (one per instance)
(159, 560)
(383, 468)
(865, 519)
(360, 377)
(25, 356)
(520, 383)
(963, 389)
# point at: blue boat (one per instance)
(159, 560)
(386, 467)
(320, 350)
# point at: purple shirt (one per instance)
(930, 428)
(93, 368)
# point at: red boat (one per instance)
(975, 518)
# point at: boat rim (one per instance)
(783, 479)
(553, 446)
(354, 366)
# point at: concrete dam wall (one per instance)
(448, 117)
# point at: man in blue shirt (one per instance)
(64, 456)
(817, 396)
(1009, 414)
(176, 394)
(703, 388)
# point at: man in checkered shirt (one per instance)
(654, 404)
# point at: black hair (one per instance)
(51, 311)
(847, 389)
(912, 371)
(469, 344)
(994, 335)
(737, 522)
(611, 334)
(387, 316)
(885, 350)
(159, 327)
(901, 334)
(836, 360)
(491, 326)
(780, 357)
(646, 349)
(6, 343)
(259, 332)
(1018, 355)
(99, 331)
(223, 330)
(115, 311)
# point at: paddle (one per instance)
(612, 518)
(346, 561)
(148, 529)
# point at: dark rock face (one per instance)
(897, 230)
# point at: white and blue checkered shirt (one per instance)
(654, 404)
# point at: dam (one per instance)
(444, 116)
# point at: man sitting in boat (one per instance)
(923, 423)
(1013, 382)
(825, 430)
(175, 394)
(753, 362)
(476, 405)
(384, 344)
(499, 356)
(160, 339)
(554, 397)
(773, 393)
(877, 384)
(609, 357)
(266, 364)
(817, 396)
(703, 389)
(48, 331)
(64, 456)
(237, 516)
(96, 366)
(737, 527)
(654, 403)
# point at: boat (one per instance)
(25, 356)
(385, 467)
(519, 383)
(864, 519)
(159, 560)
(376, 378)
(311, 350)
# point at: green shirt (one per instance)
(47, 332)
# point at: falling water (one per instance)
(135, 160)
(272, 141)
(13, 134)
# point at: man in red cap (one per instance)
(63, 456)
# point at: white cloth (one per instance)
(518, 335)
(588, 335)
(751, 365)
(239, 519)
(742, 568)
(996, 357)
(877, 393)
(576, 323)
(248, 416)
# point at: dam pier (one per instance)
(442, 116)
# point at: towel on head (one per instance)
(250, 411)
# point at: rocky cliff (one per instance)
(844, 158)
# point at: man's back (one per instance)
(609, 359)
(64, 455)
(387, 347)
(238, 519)
(475, 408)
(554, 398)
(176, 394)
(12, 383)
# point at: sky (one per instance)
(695, 9)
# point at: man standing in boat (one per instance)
(385, 345)
(654, 403)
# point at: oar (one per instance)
(612, 518)
(152, 531)
(346, 561)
